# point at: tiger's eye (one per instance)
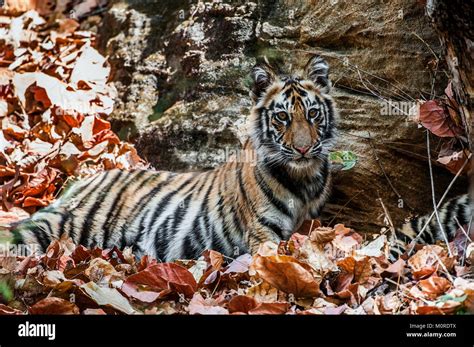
(313, 113)
(282, 116)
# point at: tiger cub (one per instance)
(231, 209)
(237, 206)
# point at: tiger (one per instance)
(237, 206)
(231, 209)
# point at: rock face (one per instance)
(182, 74)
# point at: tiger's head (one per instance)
(293, 118)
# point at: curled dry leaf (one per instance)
(425, 262)
(395, 268)
(346, 239)
(53, 305)
(101, 271)
(105, 296)
(388, 304)
(53, 277)
(447, 307)
(263, 292)
(287, 274)
(240, 264)
(270, 308)
(322, 235)
(361, 270)
(434, 286)
(434, 117)
(198, 269)
(7, 310)
(241, 303)
(148, 284)
(199, 305)
(376, 248)
(248, 305)
(214, 258)
(455, 161)
(268, 248)
(94, 311)
(312, 253)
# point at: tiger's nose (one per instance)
(303, 150)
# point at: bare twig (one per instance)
(428, 149)
(344, 206)
(427, 45)
(467, 236)
(379, 163)
(404, 288)
(439, 203)
(387, 214)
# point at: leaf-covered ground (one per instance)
(327, 272)
(55, 96)
(54, 100)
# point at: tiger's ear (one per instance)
(263, 76)
(317, 70)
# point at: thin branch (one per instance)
(439, 203)
(377, 159)
(387, 215)
(433, 194)
(465, 234)
(344, 206)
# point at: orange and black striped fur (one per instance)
(453, 215)
(231, 209)
(237, 206)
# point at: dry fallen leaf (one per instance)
(434, 286)
(287, 274)
(105, 296)
(425, 262)
(434, 117)
(53, 305)
(148, 284)
(199, 305)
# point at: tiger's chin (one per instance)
(303, 166)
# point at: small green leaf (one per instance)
(5, 291)
(448, 297)
(347, 159)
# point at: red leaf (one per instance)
(81, 253)
(242, 303)
(100, 125)
(434, 117)
(270, 308)
(199, 305)
(148, 285)
(53, 305)
(7, 311)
